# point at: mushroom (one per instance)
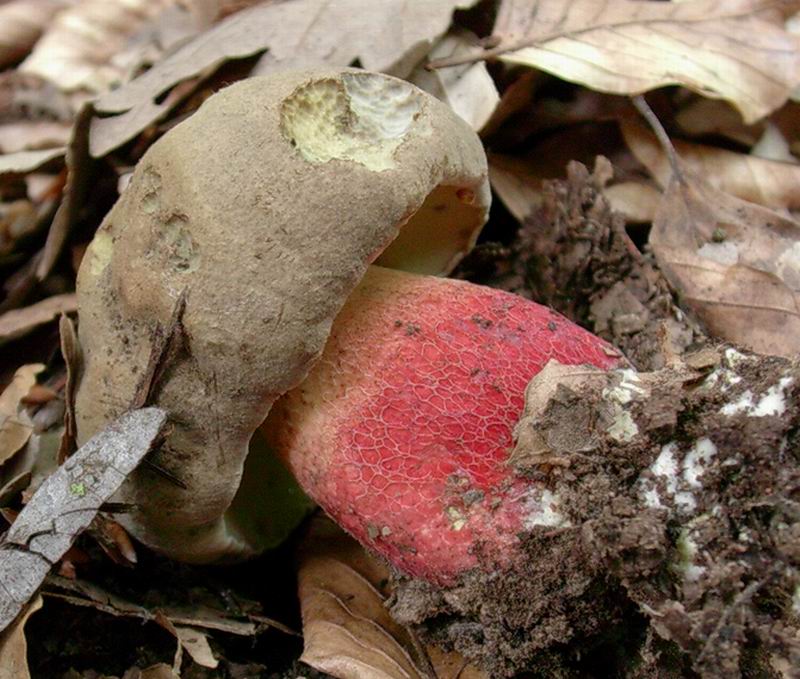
(265, 209)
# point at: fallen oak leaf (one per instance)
(731, 50)
(66, 503)
(770, 183)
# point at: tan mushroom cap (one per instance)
(266, 207)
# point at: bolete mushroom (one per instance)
(266, 208)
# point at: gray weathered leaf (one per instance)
(66, 503)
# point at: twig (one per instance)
(663, 138)
(166, 343)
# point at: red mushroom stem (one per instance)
(402, 431)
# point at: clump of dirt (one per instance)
(679, 547)
(574, 254)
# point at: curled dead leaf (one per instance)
(636, 201)
(347, 629)
(468, 89)
(731, 49)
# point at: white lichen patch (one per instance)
(629, 388)
(652, 499)
(696, 459)
(723, 378)
(678, 479)
(359, 117)
(771, 402)
(740, 405)
(733, 358)
(623, 428)
(543, 511)
(665, 464)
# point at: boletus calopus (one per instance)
(297, 210)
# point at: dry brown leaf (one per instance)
(518, 180)
(516, 184)
(773, 145)
(636, 201)
(16, 426)
(195, 643)
(27, 161)
(159, 671)
(75, 52)
(518, 96)
(18, 322)
(14, 646)
(451, 665)
(757, 180)
(735, 265)
(32, 135)
(390, 36)
(348, 631)
(29, 467)
(78, 172)
(468, 89)
(21, 24)
(723, 49)
(702, 116)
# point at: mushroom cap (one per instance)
(264, 208)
